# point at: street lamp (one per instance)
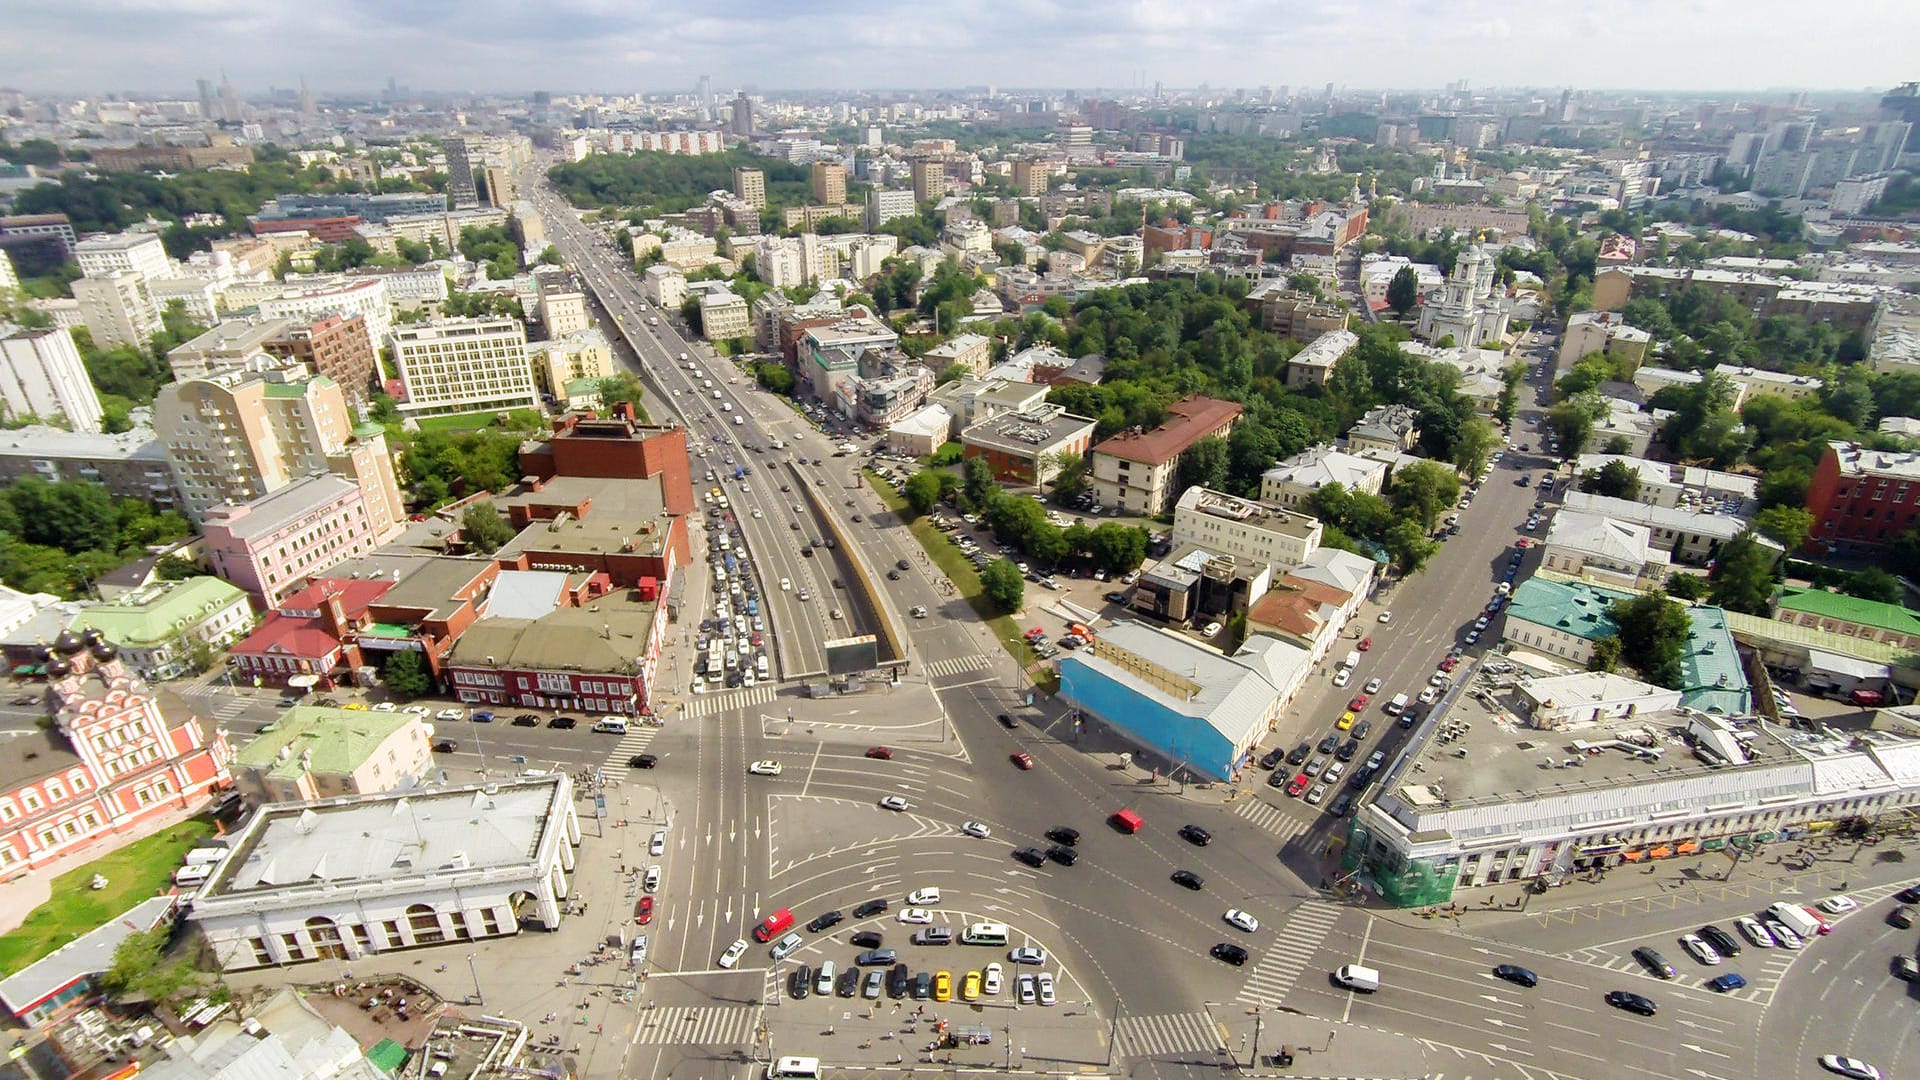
(478, 998)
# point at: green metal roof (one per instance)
(150, 615)
(339, 740)
(388, 1055)
(386, 630)
(1710, 658)
(1573, 607)
(1832, 605)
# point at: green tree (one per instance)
(1788, 526)
(1653, 633)
(406, 675)
(1403, 291)
(977, 483)
(1615, 479)
(483, 528)
(1571, 423)
(1203, 465)
(1424, 491)
(1116, 548)
(1744, 575)
(141, 968)
(621, 387)
(1408, 546)
(953, 372)
(774, 377)
(1688, 587)
(74, 517)
(1873, 583)
(551, 256)
(1003, 586)
(1606, 654)
(175, 568)
(922, 491)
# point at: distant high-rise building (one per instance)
(306, 98)
(829, 182)
(885, 205)
(206, 97)
(873, 139)
(742, 115)
(229, 102)
(703, 96)
(500, 187)
(461, 189)
(1029, 178)
(929, 180)
(750, 186)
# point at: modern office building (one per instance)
(42, 376)
(829, 182)
(461, 187)
(117, 308)
(140, 253)
(463, 366)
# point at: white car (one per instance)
(1755, 934)
(1028, 955)
(977, 830)
(1386, 617)
(1028, 994)
(658, 846)
(1430, 695)
(1852, 1068)
(1700, 950)
(450, 714)
(893, 802)
(764, 768)
(385, 706)
(1373, 686)
(1242, 920)
(1210, 629)
(1342, 677)
(916, 916)
(923, 897)
(1045, 979)
(1837, 905)
(734, 952)
(756, 512)
(786, 584)
(419, 710)
(990, 980)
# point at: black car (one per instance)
(1362, 729)
(1909, 895)
(1347, 750)
(1327, 744)
(526, 719)
(1723, 943)
(1631, 1002)
(1272, 758)
(865, 939)
(1060, 834)
(893, 575)
(800, 983)
(445, 746)
(1516, 975)
(1188, 879)
(642, 761)
(1300, 753)
(1032, 856)
(1409, 718)
(1655, 963)
(1065, 856)
(903, 565)
(897, 982)
(564, 723)
(1116, 597)
(1279, 777)
(848, 984)
(1006, 721)
(923, 986)
(1195, 835)
(1229, 952)
(824, 922)
(869, 908)
(1341, 805)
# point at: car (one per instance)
(990, 979)
(764, 768)
(1782, 933)
(1852, 1068)
(642, 761)
(1318, 792)
(734, 952)
(1342, 676)
(1358, 703)
(1006, 721)
(1516, 975)
(1373, 686)
(1061, 834)
(1347, 750)
(1906, 967)
(1908, 895)
(1228, 952)
(1698, 948)
(1299, 753)
(445, 746)
(1432, 693)
(1901, 916)
(1655, 963)
(970, 987)
(1188, 879)
(1022, 759)
(923, 897)
(1751, 929)
(1723, 943)
(977, 830)
(1063, 855)
(1045, 981)
(1837, 905)
(1026, 990)
(1272, 758)
(1347, 720)
(895, 803)
(1328, 745)
(824, 921)
(1210, 629)
(1194, 834)
(916, 916)
(866, 939)
(800, 983)
(450, 714)
(1032, 856)
(1365, 644)
(1298, 785)
(1727, 983)
(1449, 663)
(658, 845)
(564, 723)
(526, 719)
(880, 753)
(1630, 1002)
(902, 564)
(1027, 955)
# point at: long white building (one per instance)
(42, 375)
(464, 365)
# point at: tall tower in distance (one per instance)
(742, 115)
(703, 95)
(460, 185)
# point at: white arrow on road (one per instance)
(700, 916)
(1505, 1049)
(1689, 1023)
(709, 835)
(1492, 998)
(669, 923)
(731, 832)
(1494, 1020)
(1705, 1075)
(1698, 1049)
(756, 828)
(729, 909)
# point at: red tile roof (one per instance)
(1193, 419)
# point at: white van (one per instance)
(823, 982)
(760, 666)
(205, 856)
(1798, 919)
(612, 725)
(1397, 706)
(653, 878)
(188, 876)
(1354, 977)
(794, 1066)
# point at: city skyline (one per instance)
(592, 46)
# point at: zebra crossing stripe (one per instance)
(1169, 1033)
(956, 665)
(733, 699)
(1267, 816)
(1273, 977)
(685, 1025)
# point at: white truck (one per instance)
(1798, 919)
(1355, 977)
(1351, 660)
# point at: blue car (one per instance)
(482, 716)
(1728, 982)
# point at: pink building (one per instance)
(271, 545)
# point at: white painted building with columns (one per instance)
(351, 877)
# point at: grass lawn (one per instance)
(478, 420)
(965, 578)
(133, 874)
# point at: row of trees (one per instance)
(658, 183)
(57, 537)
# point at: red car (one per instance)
(1035, 633)
(1022, 759)
(1359, 702)
(643, 911)
(1366, 643)
(1298, 784)
(880, 752)
(1449, 663)
(1523, 542)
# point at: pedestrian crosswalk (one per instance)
(728, 701)
(1268, 817)
(956, 665)
(1293, 946)
(687, 1025)
(635, 741)
(1168, 1033)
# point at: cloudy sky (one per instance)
(617, 46)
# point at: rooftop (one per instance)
(1857, 460)
(1610, 540)
(1191, 419)
(88, 954)
(151, 615)
(1713, 679)
(609, 635)
(272, 512)
(1229, 694)
(1853, 609)
(1721, 527)
(1027, 433)
(42, 442)
(1326, 349)
(1265, 516)
(1318, 466)
(1571, 607)
(317, 739)
(624, 516)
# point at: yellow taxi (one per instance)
(1346, 720)
(970, 987)
(356, 706)
(942, 986)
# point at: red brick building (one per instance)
(310, 632)
(111, 762)
(341, 348)
(1861, 496)
(332, 230)
(617, 446)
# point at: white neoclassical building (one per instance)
(345, 878)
